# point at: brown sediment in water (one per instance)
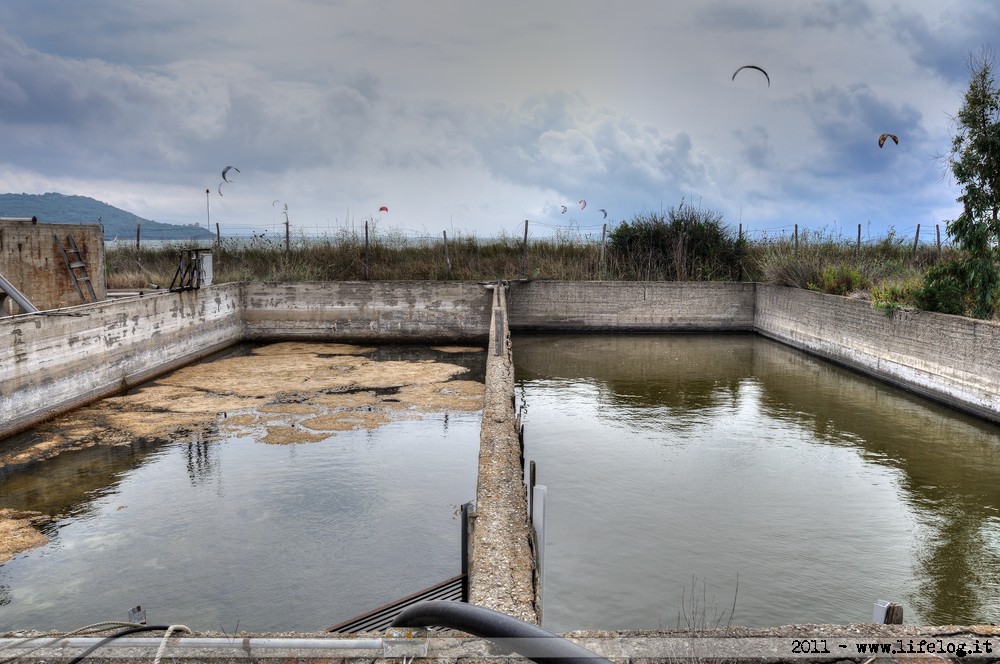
(289, 392)
(18, 532)
(282, 435)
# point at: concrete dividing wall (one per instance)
(619, 306)
(501, 564)
(367, 311)
(54, 361)
(951, 359)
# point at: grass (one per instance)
(889, 272)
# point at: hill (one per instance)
(54, 208)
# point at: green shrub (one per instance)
(891, 296)
(687, 244)
(945, 289)
(840, 280)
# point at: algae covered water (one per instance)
(697, 480)
(293, 487)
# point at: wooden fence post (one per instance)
(857, 251)
(446, 259)
(365, 260)
(600, 263)
(916, 239)
(524, 250)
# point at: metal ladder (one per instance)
(77, 268)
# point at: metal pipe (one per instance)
(529, 640)
(254, 643)
(17, 296)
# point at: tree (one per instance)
(975, 163)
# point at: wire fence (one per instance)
(299, 235)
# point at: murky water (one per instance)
(224, 532)
(689, 475)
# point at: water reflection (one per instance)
(214, 529)
(668, 457)
(202, 463)
(950, 463)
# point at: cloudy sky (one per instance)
(471, 117)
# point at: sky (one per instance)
(471, 117)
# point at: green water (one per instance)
(697, 480)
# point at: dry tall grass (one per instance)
(815, 261)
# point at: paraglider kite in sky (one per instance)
(383, 209)
(753, 67)
(604, 212)
(881, 139)
(583, 203)
(220, 187)
(564, 208)
(226, 170)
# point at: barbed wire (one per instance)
(570, 232)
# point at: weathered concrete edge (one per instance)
(948, 359)
(680, 307)
(66, 358)
(365, 311)
(55, 361)
(502, 564)
(785, 644)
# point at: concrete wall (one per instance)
(615, 306)
(951, 359)
(501, 564)
(369, 311)
(54, 361)
(30, 259)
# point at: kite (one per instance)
(753, 67)
(564, 208)
(604, 212)
(383, 209)
(226, 170)
(220, 187)
(583, 203)
(881, 139)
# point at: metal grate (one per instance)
(379, 619)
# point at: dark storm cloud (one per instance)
(525, 105)
(37, 89)
(943, 45)
(847, 123)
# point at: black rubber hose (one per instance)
(117, 635)
(528, 640)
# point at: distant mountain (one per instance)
(59, 209)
